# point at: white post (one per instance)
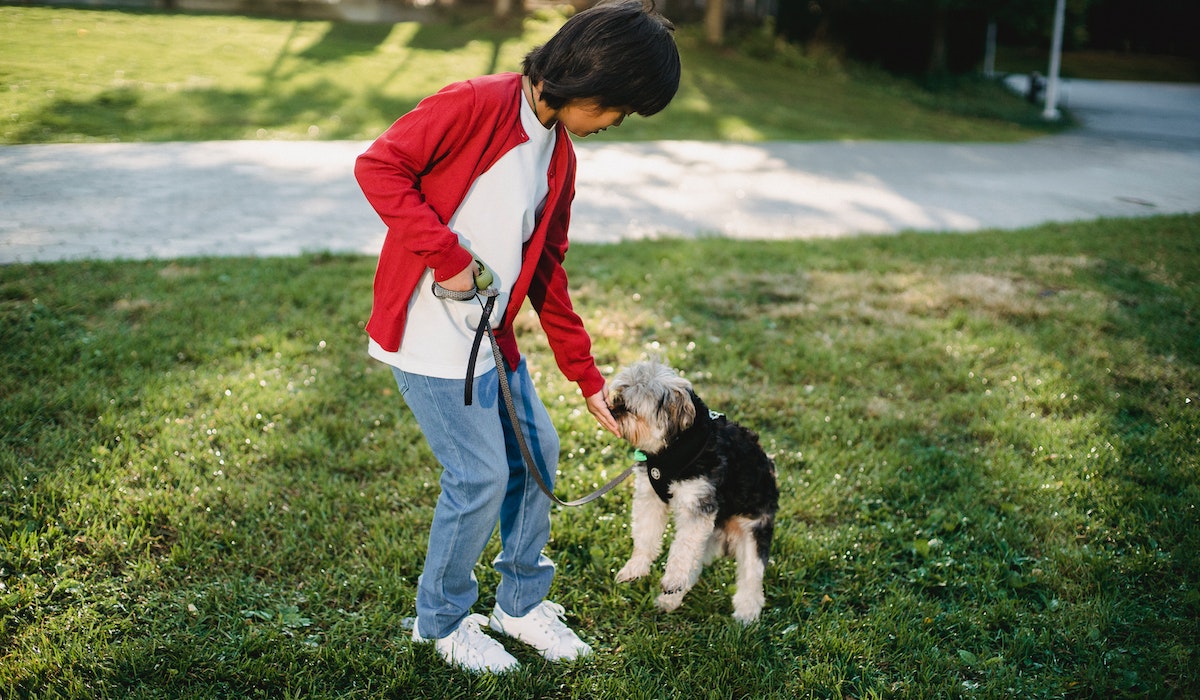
(1051, 111)
(989, 51)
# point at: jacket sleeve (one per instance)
(391, 169)
(548, 294)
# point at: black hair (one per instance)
(621, 54)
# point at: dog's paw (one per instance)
(746, 608)
(748, 616)
(669, 602)
(747, 619)
(673, 583)
(635, 568)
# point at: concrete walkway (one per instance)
(1137, 154)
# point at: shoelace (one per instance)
(552, 617)
(474, 641)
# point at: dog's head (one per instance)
(652, 403)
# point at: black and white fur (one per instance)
(710, 473)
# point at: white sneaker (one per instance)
(469, 648)
(543, 629)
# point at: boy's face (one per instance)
(586, 117)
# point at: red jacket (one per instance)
(415, 176)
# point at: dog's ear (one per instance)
(675, 408)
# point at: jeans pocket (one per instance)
(401, 380)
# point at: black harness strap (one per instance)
(676, 461)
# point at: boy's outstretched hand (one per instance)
(598, 406)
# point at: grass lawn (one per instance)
(987, 447)
(1101, 65)
(87, 75)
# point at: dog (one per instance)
(710, 473)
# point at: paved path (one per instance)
(1138, 154)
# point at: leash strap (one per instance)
(530, 464)
(490, 293)
(485, 326)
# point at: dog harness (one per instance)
(677, 462)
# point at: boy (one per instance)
(483, 171)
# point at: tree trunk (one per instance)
(938, 63)
(714, 21)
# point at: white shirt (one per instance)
(495, 219)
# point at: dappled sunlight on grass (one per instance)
(985, 444)
(104, 75)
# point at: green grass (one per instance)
(1102, 65)
(86, 75)
(987, 448)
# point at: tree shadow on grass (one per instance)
(129, 113)
(344, 39)
(120, 114)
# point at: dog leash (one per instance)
(485, 326)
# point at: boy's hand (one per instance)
(463, 281)
(598, 406)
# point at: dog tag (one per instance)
(639, 456)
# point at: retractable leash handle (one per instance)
(484, 288)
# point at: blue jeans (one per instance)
(484, 481)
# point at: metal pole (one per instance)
(1051, 111)
(989, 51)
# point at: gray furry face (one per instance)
(652, 404)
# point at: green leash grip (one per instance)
(484, 278)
